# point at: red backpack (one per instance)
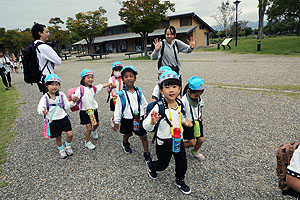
(79, 102)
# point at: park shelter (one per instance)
(117, 39)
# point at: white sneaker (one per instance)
(198, 155)
(62, 154)
(95, 135)
(69, 151)
(90, 145)
(112, 123)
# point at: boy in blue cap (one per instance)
(129, 111)
(193, 103)
(170, 119)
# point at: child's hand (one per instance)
(45, 111)
(201, 119)
(74, 99)
(188, 123)
(116, 127)
(154, 117)
(113, 85)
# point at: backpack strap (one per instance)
(47, 102)
(161, 53)
(123, 100)
(81, 95)
(175, 53)
(140, 94)
(94, 88)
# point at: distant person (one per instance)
(167, 50)
(4, 70)
(47, 57)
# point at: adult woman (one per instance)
(4, 70)
(166, 51)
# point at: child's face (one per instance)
(195, 95)
(170, 92)
(129, 79)
(54, 87)
(117, 73)
(1, 54)
(169, 36)
(89, 79)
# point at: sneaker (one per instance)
(62, 154)
(147, 156)
(89, 145)
(198, 155)
(9, 85)
(112, 123)
(182, 186)
(69, 151)
(95, 135)
(7, 88)
(126, 147)
(152, 174)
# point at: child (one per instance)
(129, 111)
(53, 105)
(156, 95)
(171, 120)
(88, 108)
(293, 172)
(193, 104)
(117, 85)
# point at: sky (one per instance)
(20, 14)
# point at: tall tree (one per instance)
(143, 16)
(285, 9)
(262, 5)
(225, 16)
(61, 37)
(88, 25)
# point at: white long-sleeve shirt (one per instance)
(164, 129)
(59, 113)
(133, 98)
(46, 53)
(3, 64)
(88, 98)
(196, 110)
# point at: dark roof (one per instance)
(192, 14)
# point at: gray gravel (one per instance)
(243, 130)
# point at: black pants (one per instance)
(164, 154)
(4, 80)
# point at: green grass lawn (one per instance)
(276, 45)
(8, 114)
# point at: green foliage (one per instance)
(8, 115)
(62, 37)
(88, 25)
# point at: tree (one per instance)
(88, 25)
(61, 37)
(262, 4)
(283, 10)
(143, 16)
(225, 17)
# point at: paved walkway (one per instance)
(242, 128)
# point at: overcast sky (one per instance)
(22, 13)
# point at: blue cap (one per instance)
(168, 75)
(196, 83)
(117, 64)
(52, 77)
(86, 72)
(128, 68)
(163, 69)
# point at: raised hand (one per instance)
(192, 42)
(74, 98)
(157, 44)
(154, 117)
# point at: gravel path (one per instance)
(242, 128)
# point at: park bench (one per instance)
(134, 52)
(66, 56)
(226, 43)
(95, 55)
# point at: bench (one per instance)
(134, 52)
(95, 55)
(226, 43)
(66, 56)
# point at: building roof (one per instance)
(125, 36)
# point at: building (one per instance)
(117, 39)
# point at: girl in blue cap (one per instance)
(89, 106)
(117, 85)
(193, 103)
(52, 105)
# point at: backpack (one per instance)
(123, 98)
(78, 105)
(32, 73)
(284, 155)
(60, 104)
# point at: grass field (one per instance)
(276, 45)
(8, 113)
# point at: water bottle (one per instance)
(176, 140)
(136, 120)
(46, 129)
(196, 128)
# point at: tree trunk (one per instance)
(261, 13)
(144, 39)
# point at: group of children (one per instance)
(172, 118)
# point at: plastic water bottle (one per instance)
(196, 128)
(176, 140)
(46, 129)
(136, 120)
